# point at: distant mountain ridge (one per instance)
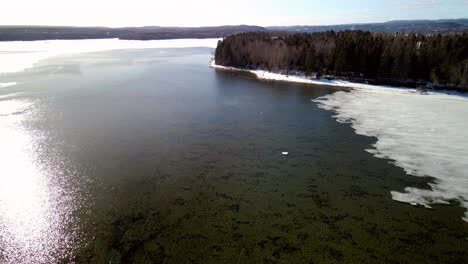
(460, 21)
(405, 26)
(10, 33)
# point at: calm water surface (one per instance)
(150, 156)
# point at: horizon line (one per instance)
(233, 25)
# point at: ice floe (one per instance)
(17, 56)
(426, 135)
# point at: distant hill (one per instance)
(405, 26)
(9, 33)
(147, 33)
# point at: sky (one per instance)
(119, 13)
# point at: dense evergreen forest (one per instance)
(386, 57)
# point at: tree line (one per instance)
(397, 57)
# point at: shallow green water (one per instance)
(151, 156)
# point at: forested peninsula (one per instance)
(383, 58)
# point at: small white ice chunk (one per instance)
(285, 153)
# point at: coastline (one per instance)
(301, 78)
(266, 75)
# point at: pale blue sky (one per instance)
(116, 13)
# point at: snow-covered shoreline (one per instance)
(266, 75)
(423, 133)
(300, 78)
(297, 78)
